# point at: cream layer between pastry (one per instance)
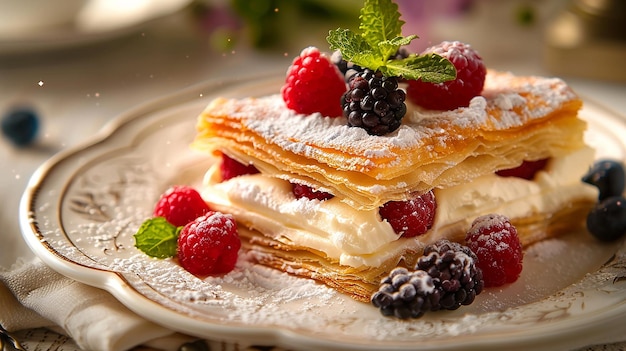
(357, 237)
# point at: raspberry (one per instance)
(374, 102)
(412, 217)
(301, 190)
(180, 205)
(230, 168)
(469, 82)
(526, 170)
(313, 84)
(494, 240)
(209, 244)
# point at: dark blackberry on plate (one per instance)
(454, 271)
(446, 277)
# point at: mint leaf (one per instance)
(348, 42)
(157, 238)
(379, 41)
(368, 59)
(429, 68)
(389, 48)
(380, 21)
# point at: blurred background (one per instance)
(77, 64)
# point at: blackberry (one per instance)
(374, 102)
(406, 294)
(445, 278)
(455, 274)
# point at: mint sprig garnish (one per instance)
(157, 238)
(380, 39)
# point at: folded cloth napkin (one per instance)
(33, 296)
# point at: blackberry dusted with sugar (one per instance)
(406, 294)
(455, 274)
(374, 102)
(445, 278)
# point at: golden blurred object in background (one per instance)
(588, 39)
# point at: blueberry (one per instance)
(607, 220)
(20, 126)
(608, 176)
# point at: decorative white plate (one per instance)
(81, 209)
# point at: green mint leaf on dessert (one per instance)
(157, 238)
(349, 43)
(380, 21)
(428, 68)
(379, 41)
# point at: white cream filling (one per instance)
(357, 238)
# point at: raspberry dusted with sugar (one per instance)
(495, 242)
(180, 205)
(230, 168)
(469, 82)
(301, 190)
(314, 84)
(412, 217)
(209, 244)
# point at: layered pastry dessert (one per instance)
(343, 241)
(513, 147)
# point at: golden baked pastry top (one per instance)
(515, 119)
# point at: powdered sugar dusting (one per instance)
(302, 134)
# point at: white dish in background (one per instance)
(34, 26)
(23, 18)
(82, 207)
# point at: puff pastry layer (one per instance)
(516, 119)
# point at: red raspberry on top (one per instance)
(180, 205)
(469, 82)
(230, 168)
(412, 217)
(314, 84)
(209, 245)
(495, 242)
